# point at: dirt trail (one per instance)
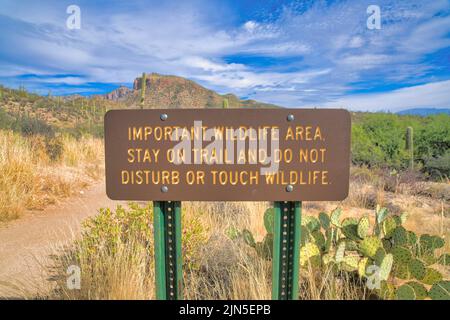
(27, 243)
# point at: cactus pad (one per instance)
(340, 250)
(426, 242)
(248, 238)
(319, 238)
(369, 246)
(350, 228)
(440, 291)
(381, 215)
(312, 223)
(399, 236)
(324, 220)
(363, 227)
(420, 291)
(335, 216)
(402, 272)
(351, 245)
(386, 266)
(402, 256)
(417, 269)
(350, 263)
(437, 242)
(309, 252)
(403, 217)
(405, 292)
(389, 226)
(362, 267)
(305, 235)
(379, 256)
(411, 238)
(232, 232)
(329, 234)
(432, 276)
(269, 215)
(428, 258)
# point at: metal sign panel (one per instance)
(227, 154)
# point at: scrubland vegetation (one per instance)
(45, 154)
(221, 260)
(37, 171)
(51, 148)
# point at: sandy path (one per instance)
(26, 243)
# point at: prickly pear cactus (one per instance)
(381, 214)
(417, 269)
(312, 223)
(248, 238)
(269, 215)
(440, 291)
(353, 246)
(350, 228)
(402, 256)
(419, 290)
(325, 220)
(340, 251)
(363, 227)
(399, 237)
(405, 292)
(389, 226)
(350, 263)
(432, 276)
(386, 266)
(310, 253)
(369, 246)
(362, 267)
(335, 217)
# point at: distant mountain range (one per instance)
(176, 92)
(424, 111)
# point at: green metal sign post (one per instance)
(286, 250)
(168, 258)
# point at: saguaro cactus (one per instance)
(410, 146)
(143, 85)
(225, 104)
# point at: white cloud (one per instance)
(315, 55)
(435, 94)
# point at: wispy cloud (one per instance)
(289, 53)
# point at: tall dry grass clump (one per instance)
(36, 170)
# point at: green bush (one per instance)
(439, 166)
(378, 140)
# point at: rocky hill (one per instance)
(176, 92)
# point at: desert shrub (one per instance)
(54, 147)
(378, 140)
(438, 167)
(29, 126)
(116, 253)
(393, 179)
(6, 120)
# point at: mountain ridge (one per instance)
(176, 92)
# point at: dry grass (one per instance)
(215, 266)
(29, 179)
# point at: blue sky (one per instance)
(291, 53)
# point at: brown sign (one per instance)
(227, 154)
